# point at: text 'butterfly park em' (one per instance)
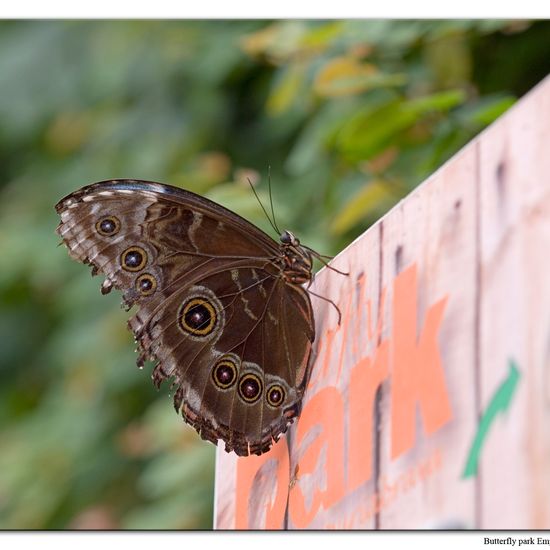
(223, 309)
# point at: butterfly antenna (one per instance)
(271, 200)
(265, 211)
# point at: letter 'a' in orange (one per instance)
(325, 408)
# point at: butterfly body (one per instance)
(221, 307)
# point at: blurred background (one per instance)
(349, 115)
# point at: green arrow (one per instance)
(498, 404)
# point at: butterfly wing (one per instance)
(214, 312)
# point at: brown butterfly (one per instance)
(222, 310)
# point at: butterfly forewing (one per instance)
(215, 312)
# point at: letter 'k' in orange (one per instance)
(417, 372)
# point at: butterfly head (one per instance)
(288, 238)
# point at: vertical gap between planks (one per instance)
(290, 476)
(378, 398)
(477, 328)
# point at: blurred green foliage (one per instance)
(350, 115)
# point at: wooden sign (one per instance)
(429, 405)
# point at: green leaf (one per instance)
(370, 132)
(346, 75)
(368, 200)
(440, 102)
(286, 90)
(486, 110)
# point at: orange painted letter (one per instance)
(365, 380)
(417, 375)
(250, 471)
(327, 409)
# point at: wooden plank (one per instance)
(515, 313)
(339, 407)
(225, 484)
(432, 235)
(257, 487)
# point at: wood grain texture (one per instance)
(515, 313)
(334, 486)
(225, 484)
(445, 294)
(433, 229)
